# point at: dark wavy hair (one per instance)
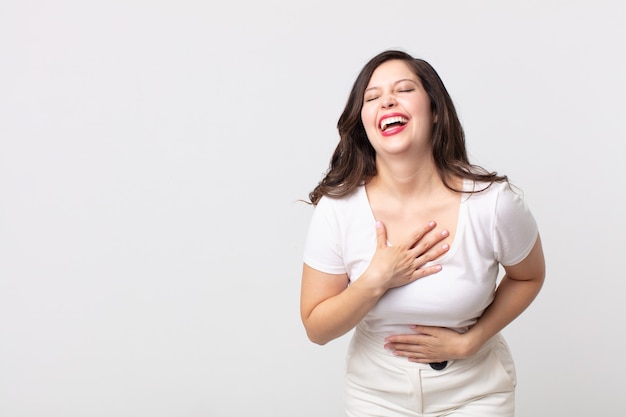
(354, 160)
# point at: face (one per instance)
(396, 110)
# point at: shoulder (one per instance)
(509, 199)
(341, 204)
(493, 193)
(486, 188)
(498, 203)
(482, 194)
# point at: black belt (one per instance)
(438, 366)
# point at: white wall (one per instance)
(151, 159)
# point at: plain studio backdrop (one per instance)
(152, 155)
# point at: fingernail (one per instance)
(444, 233)
(445, 246)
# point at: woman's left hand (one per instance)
(430, 344)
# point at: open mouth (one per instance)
(392, 122)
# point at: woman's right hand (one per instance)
(397, 265)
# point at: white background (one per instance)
(151, 159)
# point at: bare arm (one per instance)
(329, 307)
(518, 288)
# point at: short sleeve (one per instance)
(322, 248)
(515, 228)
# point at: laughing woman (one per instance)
(405, 245)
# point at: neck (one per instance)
(407, 178)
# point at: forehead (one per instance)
(390, 72)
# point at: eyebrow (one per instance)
(395, 83)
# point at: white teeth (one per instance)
(391, 120)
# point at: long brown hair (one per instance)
(354, 160)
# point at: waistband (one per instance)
(374, 345)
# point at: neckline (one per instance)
(460, 224)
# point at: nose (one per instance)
(388, 101)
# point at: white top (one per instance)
(494, 227)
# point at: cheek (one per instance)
(370, 130)
(368, 117)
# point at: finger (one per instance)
(405, 350)
(430, 255)
(415, 351)
(381, 234)
(424, 330)
(417, 237)
(422, 272)
(419, 357)
(430, 242)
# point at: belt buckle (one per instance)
(438, 366)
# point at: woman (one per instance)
(423, 300)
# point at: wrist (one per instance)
(369, 285)
(367, 290)
(473, 341)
